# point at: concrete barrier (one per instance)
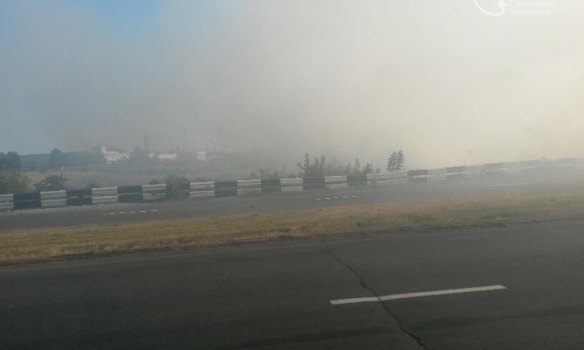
(437, 175)
(154, 193)
(416, 176)
(335, 182)
(475, 171)
(79, 197)
(360, 180)
(6, 202)
(292, 185)
(225, 189)
(313, 183)
(249, 187)
(200, 190)
(271, 186)
(130, 194)
(54, 199)
(104, 195)
(387, 179)
(31, 200)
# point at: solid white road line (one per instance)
(416, 295)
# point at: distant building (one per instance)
(112, 154)
(35, 161)
(164, 156)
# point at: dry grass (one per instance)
(17, 246)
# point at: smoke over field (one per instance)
(440, 80)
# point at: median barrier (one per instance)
(154, 193)
(291, 185)
(130, 194)
(79, 197)
(313, 183)
(335, 182)
(104, 195)
(437, 175)
(360, 180)
(31, 200)
(54, 199)
(271, 185)
(416, 176)
(456, 173)
(225, 189)
(6, 202)
(201, 190)
(249, 187)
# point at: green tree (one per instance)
(368, 169)
(357, 168)
(57, 159)
(395, 162)
(12, 181)
(10, 161)
(51, 183)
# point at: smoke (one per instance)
(440, 80)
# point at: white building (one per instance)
(112, 156)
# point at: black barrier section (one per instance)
(356, 180)
(130, 194)
(274, 185)
(456, 169)
(31, 200)
(494, 166)
(456, 173)
(418, 175)
(80, 196)
(313, 183)
(225, 189)
(531, 164)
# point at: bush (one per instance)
(13, 182)
(177, 187)
(51, 183)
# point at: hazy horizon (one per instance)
(443, 81)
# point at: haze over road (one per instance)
(278, 295)
(303, 200)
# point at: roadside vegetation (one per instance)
(21, 246)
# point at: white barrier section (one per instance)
(104, 195)
(437, 174)
(203, 190)
(475, 171)
(53, 199)
(387, 179)
(154, 193)
(6, 201)
(513, 168)
(291, 185)
(249, 187)
(335, 182)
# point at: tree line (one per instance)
(319, 167)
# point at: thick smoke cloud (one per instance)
(440, 80)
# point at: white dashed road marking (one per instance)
(416, 295)
(133, 212)
(505, 185)
(333, 198)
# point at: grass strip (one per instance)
(32, 245)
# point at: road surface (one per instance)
(285, 295)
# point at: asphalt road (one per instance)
(121, 213)
(278, 295)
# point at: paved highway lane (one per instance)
(278, 295)
(120, 213)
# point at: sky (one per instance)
(442, 80)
